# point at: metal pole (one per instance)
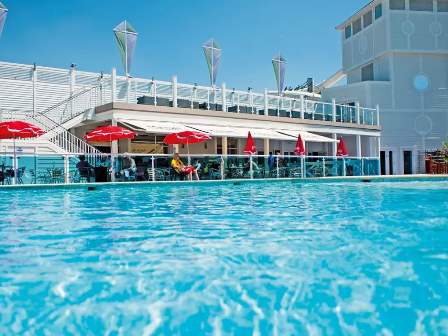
(153, 168)
(222, 167)
(278, 170)
(14, 164)
(251, 167)
(66, 169)
(302, 159)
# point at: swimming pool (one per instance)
(270, 259)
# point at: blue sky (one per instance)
(171, 33)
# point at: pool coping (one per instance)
(365, 179)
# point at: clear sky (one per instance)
(171, 32)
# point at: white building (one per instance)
(67, 103)
(395, 54)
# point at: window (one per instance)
(442, 5)
(367, 19)
(367, 73)
(407, 162)
(378, 11)
(357, 26)
(397, 4)
(421, 5)
(348, 31)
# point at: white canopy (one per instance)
(227, 130)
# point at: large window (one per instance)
(348, 31)
(421, 5)
(367, 73)
(442, 5)
(367, 19)
(378, 11)
(397, 4)
(357, 26)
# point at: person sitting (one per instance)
(181, 169)
(129, 168)
(85, 169)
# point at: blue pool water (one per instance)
(250, 259)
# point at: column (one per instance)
(224, 146)
(174, 87)
(215, 145)
(335, 145)
(266, 146)
(358, 146)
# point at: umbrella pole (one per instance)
(14, 165)
(188, 151)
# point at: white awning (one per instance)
(307, 136)
(232, 131)
(157, 127)
(240, 132)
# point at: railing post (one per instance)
(72, 87)
(251, 168)
(302, 163)
(344, 172)
(208, 99)
(128, 89)
(238, 102)
(113, 84)
(277, 167)
(224, 97)
(66, 169)
(266, 102)
(153, 169)
(323, 167)
(333, 104)
(222, 168)
(377, 115)
(174, 88)
(34, 80)
(358, 113)
(302, 107)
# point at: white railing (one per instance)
(34, 88)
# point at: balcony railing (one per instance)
(32, 89)
(174, 94)
(65, 169)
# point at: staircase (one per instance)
(55, 119)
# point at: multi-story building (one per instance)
(395, 54)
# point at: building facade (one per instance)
(395, 54)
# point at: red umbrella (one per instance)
(342, 149)
(250, 145)
(185, 138)
(300, 147)
(109, 134)
(17, 129)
